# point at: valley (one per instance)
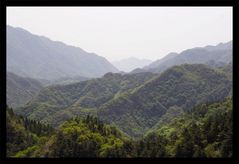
(65, 102)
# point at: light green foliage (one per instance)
(205, 131)
(135, 102)
(87, 137)
(184, 112)
(57, 104)
(23, 133)
(180, 87)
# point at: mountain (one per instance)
(132, 102)
(38, 57)
(218, 55)
(131, 63)
(204, 131)
(136, 112)
(21, 89)
(161, 61)
(55, 104)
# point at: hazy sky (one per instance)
(122, 32)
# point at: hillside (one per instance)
(134, 102)
(56, 104)
(21, 89)
(214, 56)
(38, 57)
(136, 112)
(204, 131)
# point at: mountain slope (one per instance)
(38, 57)
(134, 102)
(136, 112)
(56, 104)
(204, 131)
(131, 63)
(220, 54)
(20, 89)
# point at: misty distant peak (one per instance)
(39, 57)
(220, 53)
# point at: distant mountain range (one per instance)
(131, 63)
(38, 57)
(214, 56)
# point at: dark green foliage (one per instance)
(87, 137)
(204, 131)
(23, 133)
(153, 146)
(37, 127)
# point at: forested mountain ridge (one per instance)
(139, 110)
(132, 102)
(65, 102)
(38, 57)
(56, 104)
(218, 55)
(21, 89)
(203, 131)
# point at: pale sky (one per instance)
(121, 32)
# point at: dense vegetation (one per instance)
(139, 110)
(77, 105)
(133, 102)
(56, 104)
(204, 131)
(23, 133)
